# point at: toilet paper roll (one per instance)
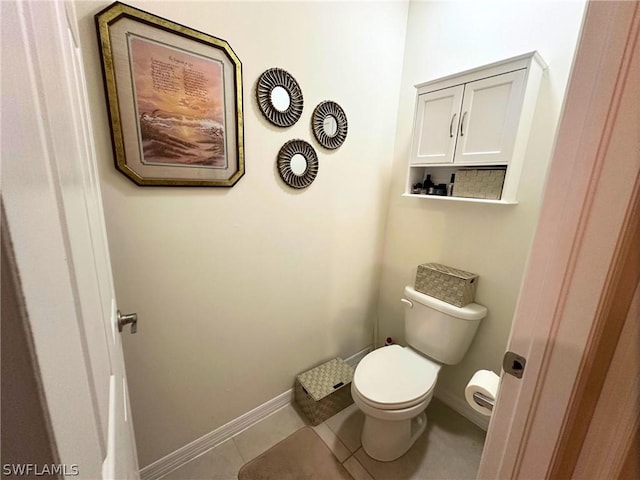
(485, 382)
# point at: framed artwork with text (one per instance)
(174, 98)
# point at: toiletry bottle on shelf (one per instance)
(428, 185)
(450, 186)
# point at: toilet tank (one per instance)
(438, 329)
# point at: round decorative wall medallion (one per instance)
(279, 97)
(329, 124)
(297, 163)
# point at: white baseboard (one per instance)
(354, 359)
(202, 445)
(461, 406)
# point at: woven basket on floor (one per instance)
(325, 390)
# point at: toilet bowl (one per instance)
(393, 386)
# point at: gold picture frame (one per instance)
(174, 98)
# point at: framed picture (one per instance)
(174, 98)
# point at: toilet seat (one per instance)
(394, 378)
(404, 407)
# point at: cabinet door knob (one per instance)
(451, 125)
(462, 124)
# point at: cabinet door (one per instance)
(489, 119)
(436, 124)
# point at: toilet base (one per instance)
(387, 440)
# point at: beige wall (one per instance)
(238, 290)
(491, 240)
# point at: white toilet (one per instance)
(393, 385)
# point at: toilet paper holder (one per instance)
(483, 400)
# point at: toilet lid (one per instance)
(395, 376)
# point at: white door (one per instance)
(577, 258)
(489, 119)
(436, 124)
(53, 207)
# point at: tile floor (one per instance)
(450, 448)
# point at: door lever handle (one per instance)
(129, 318)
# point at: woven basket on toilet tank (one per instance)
(325, 390)
(448, 284)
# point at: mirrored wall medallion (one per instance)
(329, 124)
(279, 97)
(297, 163)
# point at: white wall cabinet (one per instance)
(480, 117)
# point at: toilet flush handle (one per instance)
(408, 302)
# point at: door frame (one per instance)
(565, 322)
